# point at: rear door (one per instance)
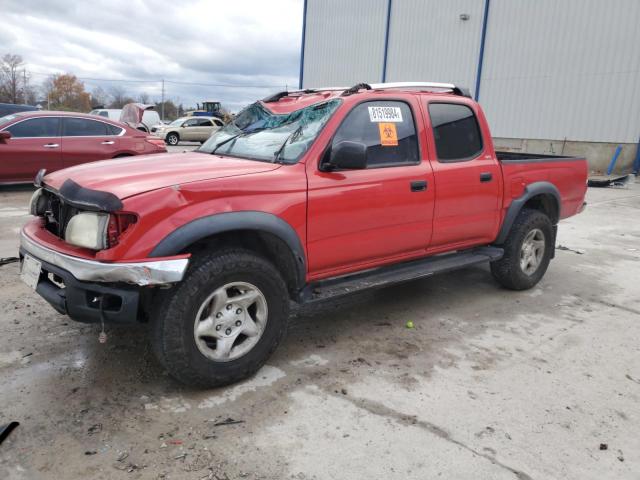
(34, 144)
(468, 179)
(204, 129)
(85, 140)
(363, 218)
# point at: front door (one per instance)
(362, 218)
(190, 129)
(34, 144)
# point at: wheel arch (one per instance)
(542, 196)
(262, 232)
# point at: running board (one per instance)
(398, 273)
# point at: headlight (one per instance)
(38, 203)
(88, 230)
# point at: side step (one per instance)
(403, 272)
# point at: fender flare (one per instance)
(530, 191)
(203, 227)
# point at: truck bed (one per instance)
(567, 174)
(532, 157)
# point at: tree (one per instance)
(119, 97)
(170, 110)
(144, 98)
(99, 97)
(11, 74)
(66, 92)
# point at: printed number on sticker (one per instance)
(385, 114)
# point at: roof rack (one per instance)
(462, 91)
(444, 86)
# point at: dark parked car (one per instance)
(9, 108)
(30, 141)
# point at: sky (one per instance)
(243, 43)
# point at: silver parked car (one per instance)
(188, 129)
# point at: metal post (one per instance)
(636, 162)
(386, 43)
(614, 159)
(304, 32)
(483, 37)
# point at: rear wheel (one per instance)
(223, 320)
(172, 139)
(527, 251)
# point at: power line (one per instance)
(174, 82)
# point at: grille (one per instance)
(58, 214)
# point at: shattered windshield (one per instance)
(258, 134)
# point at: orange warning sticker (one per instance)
(388, 134)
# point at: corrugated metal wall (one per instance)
(344, 42)
(552, 69)
(428, 41)
(556, 69)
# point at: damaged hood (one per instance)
(132, 113)
(129, 176)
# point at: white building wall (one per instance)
(556, 69)
(429, 42)
(344, 42)
(553, 69)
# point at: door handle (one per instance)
(108, 142)
(418, 185)
(51, 145)
(486, 177)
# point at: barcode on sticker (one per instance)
(385, 114)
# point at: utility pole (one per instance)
(24, 85)
(162, 104)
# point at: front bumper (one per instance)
(90, 291)
(154, 272)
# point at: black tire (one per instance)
(172, 139)
(174, 318)
(508, 270)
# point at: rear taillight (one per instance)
(118, 224)
(156, 142)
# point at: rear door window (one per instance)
(113, 130)
(36, 127)
(386, 128)
(83, 127)
(456, 131)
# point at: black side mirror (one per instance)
(348, 156)
(4, 136)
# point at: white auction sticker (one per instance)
(385, 114)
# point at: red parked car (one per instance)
(30, 141)
(305, 196)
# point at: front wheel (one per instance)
(172, 139)
(223, 321)
(527, 251)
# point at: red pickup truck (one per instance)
(306, 196)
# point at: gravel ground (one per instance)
(542, 384)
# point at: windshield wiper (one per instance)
(277, 153)
(233, 137)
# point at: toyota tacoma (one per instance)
(305, 196)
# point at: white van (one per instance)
(150, 118)
(110, 113)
